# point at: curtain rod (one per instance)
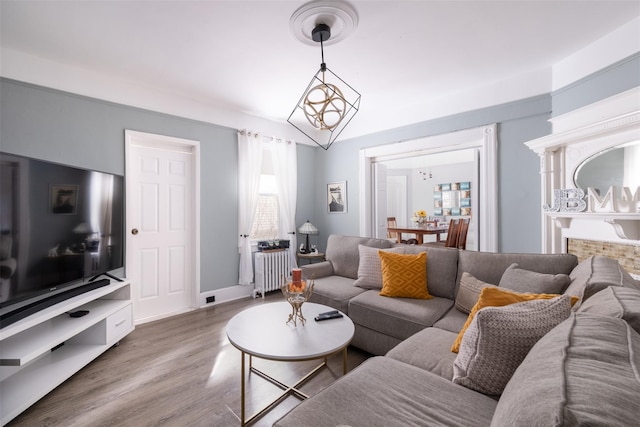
(264, 138)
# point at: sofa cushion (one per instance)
(499, 338)
(404, 275)
(335, 291)
(397, 317)
(370, 267)
(489, 267)
(317, 270)
(442, 267)
(469, 292)
(452, 321)
(614, 301)
(429, 349)
(586, 371)
(596, 273)
(497, 297)
(383, 392)
(521, 280)
(342, 252)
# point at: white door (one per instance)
(397, 199)
(162, 250)
(380, 200)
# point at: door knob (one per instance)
(134, 231)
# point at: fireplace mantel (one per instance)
(577, 136)
(625, 226)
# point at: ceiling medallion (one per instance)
(341, 17)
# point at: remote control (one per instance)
(321, 317)
(79, 313)
(326, 313)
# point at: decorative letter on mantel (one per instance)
(628, 203)
(620, 212)
(571, 200)
(567, 200)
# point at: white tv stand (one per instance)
(30, 367)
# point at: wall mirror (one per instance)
(618, 166)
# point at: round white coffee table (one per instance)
(262, 331)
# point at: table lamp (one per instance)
(307, 228)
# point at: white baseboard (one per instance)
(225, 295)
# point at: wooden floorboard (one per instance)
(179, 371)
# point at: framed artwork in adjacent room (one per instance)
(337, 197)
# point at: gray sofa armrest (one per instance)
(317, 270)
(596, 273)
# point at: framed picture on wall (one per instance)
(337, 197)
(63, 199)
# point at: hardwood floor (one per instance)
(180, 371)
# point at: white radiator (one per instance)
(271, 269)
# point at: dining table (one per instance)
(418, 231)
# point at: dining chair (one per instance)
(392, 223)
(452, 233)
(462, 233)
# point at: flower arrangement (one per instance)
(419, 216)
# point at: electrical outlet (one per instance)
(211, 299)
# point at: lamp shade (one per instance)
(308, 228)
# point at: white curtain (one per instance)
(285, 165)
(249, 169)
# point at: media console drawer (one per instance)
(119, 323)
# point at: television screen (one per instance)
(59, 226)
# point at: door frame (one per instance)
(156, 141)
(484, 138)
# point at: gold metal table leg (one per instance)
(287, 390)
(242, 390)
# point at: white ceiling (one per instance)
(410, 60)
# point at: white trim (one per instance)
(577, 136)
(183, 145)
(224, 295)
(484, 138)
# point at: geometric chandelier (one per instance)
(328, 104)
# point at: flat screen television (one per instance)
(60, 227)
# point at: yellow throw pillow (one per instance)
(496, 297)
(404, 275)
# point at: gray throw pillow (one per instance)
(615, 301)
(519, 280)
(469, 292)
(370, 267)
(499, 338)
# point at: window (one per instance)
(265, 224)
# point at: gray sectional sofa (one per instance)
(584, 370)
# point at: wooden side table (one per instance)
(310, 257)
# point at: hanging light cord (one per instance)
(323, 66)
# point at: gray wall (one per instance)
(518, 171)
(518, 177)
(65, 128)
(616, 78)
(80, 131)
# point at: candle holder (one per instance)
(296, 292)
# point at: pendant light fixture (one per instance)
(328, 103)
